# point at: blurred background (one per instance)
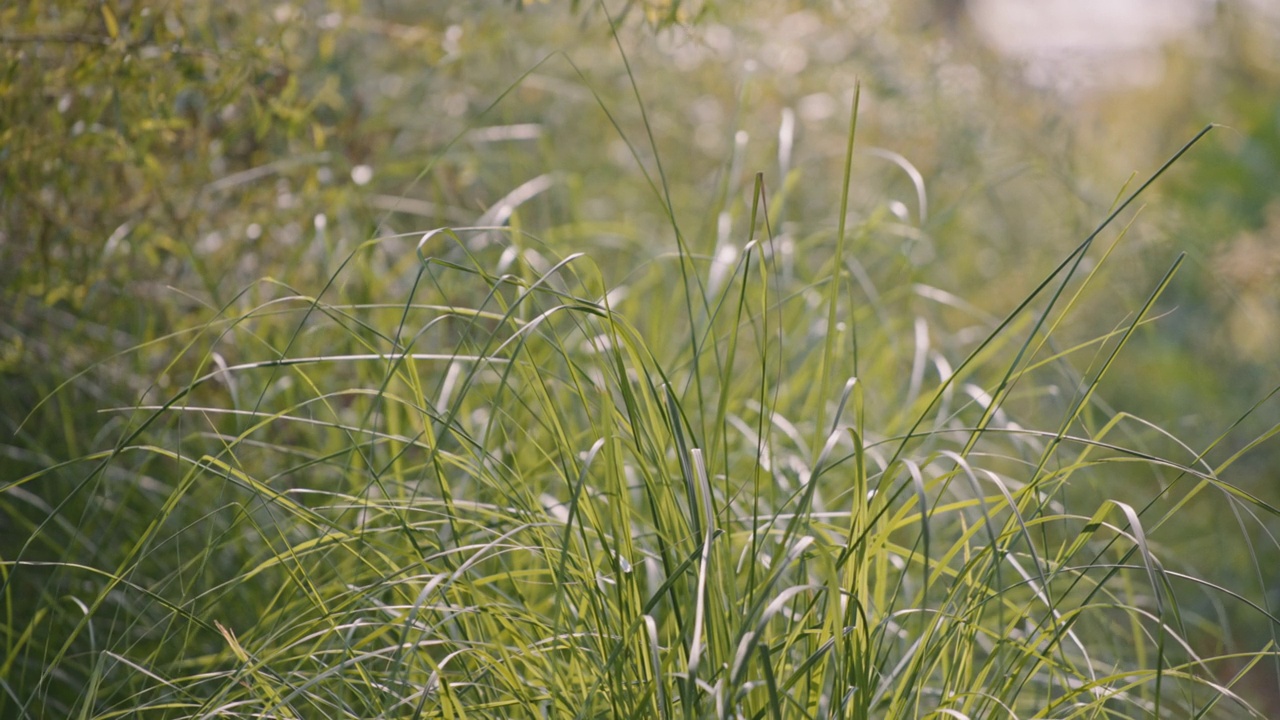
(158, 159)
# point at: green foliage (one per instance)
(500, 497)
(121, 122)
(629, 431)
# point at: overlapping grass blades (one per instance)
(505, 488)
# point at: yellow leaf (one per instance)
(109, 17)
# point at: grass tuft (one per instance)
(474, 479)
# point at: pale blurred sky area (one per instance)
(1074, 45)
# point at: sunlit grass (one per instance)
(772, 474)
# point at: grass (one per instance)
(769, 474)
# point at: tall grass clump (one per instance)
(762, 472)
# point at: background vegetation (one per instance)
(227, 490)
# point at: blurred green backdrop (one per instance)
(158, 159)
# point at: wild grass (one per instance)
(773, 473)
